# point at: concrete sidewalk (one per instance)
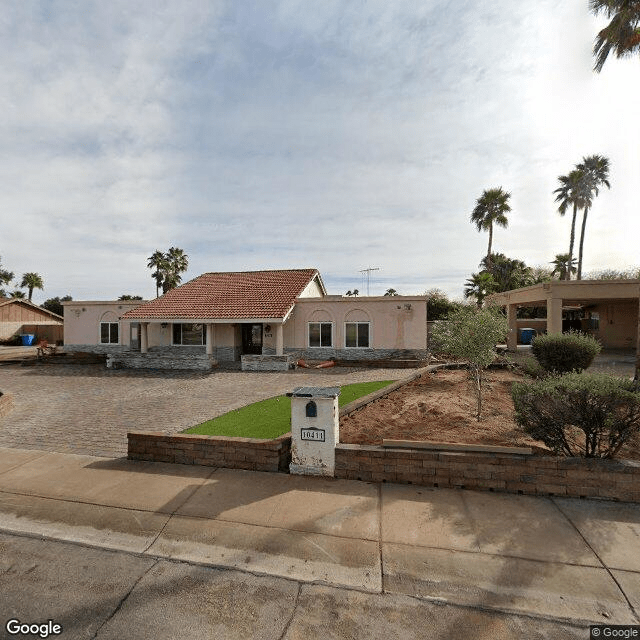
(552, 559)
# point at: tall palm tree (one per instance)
(491, 208)
(158, 261)
(479, 286)
(595, 172)
(563, 266)
(570, 193)
(622, 35)
(178, 262)
(32, 281)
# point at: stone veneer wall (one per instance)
(265, 362)
(533, 475)
(212, 451)
(196, 361)
(325, 353)
(95, 348)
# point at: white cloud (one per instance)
(334, 134)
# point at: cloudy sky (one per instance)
(336, 134)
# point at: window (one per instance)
(189, 334)
(320, 334)
(356, 334)
(109, 333)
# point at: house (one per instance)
(606, 309)
(266, 319)
(19, 316)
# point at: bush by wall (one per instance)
(589, 415)
(565, 352)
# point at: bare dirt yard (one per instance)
(441, 407)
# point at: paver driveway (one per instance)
(89, 409)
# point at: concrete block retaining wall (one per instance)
(212, 451)
(532, 475)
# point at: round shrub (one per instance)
(565, 352)
(579, 414)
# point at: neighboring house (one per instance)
(19, 317)
(608, 310)
(267, 319)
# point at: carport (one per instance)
(611, 309)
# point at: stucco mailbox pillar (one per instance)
(314, 430)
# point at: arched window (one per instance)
(311, 410)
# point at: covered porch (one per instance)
(608, 310)
(180, 343)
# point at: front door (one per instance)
(252, 338)
(134, 343)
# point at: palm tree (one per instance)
(157, 261)
(622, 35)
(563, 266)
(570, 193)
(32, 281)
(507, 273)
(595, 172)
(479, 286)
(178, 262)
(17, 294)
(5, 278)
(491, 208)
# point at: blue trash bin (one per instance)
(28, 339)
(527, 335)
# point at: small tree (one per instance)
(472, 335)
(55, 304)
(391, 292)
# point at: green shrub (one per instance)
(565, 352)
(579, 414)
(532, 368)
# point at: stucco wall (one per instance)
(392, 324)
(82, 321)
(312, 290)
(618, 324)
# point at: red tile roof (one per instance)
(232, 295)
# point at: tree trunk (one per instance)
(489, 250)
(584, 226)
(637, 376)
(478, 373)
(572, 239)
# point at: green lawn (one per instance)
(272, 417)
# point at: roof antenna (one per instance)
(368, 271)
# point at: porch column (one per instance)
(512, 336)
(554, 315)
(279, 340)
(209, 339)
(144, 341)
